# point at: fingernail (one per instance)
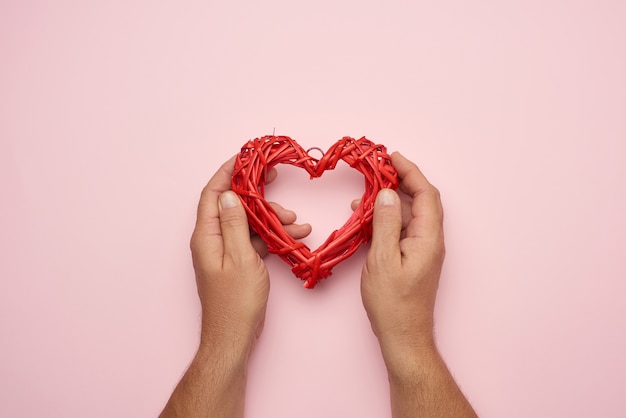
(385, 197)
(229, 200)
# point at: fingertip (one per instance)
(398, 158)
(387, 222)
(296, 231)
(289, 217)
(397, 155)
(387, 197)
(271, 175)
(299, 231)
(285, 216)
(229, 199)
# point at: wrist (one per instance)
(410, 365)
(231, 362)
(215, 382)
(406, 333)
(230, 344)
(406, 353)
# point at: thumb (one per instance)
(387, 224)
(234, 224)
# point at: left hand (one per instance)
(233, 283)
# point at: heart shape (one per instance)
(261, 154)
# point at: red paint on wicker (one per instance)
(261, 154)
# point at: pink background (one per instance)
(113, 115)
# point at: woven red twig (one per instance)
(261, 154)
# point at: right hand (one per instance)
(401, 274)
(233, 283)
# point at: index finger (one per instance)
(426, 209)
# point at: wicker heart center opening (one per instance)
(261, 154)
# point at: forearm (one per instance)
(213, 385)
(421, 385)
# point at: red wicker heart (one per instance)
(261, 154)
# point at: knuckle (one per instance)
(206, 190)
(233, 221)
(439, 253)
(434, 191)
(436, 197)
(193, 241)
(248, 258)
(198, 240)
(380, 258)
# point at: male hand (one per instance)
(401, 274)
(233, 283)
(399, 284)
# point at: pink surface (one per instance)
(113, 115)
